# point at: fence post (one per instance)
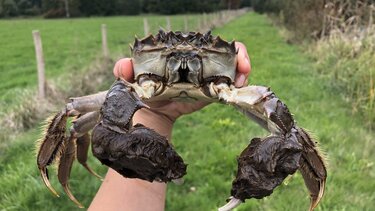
(145, 27)
(40, 63)
(104, 41)
(168, 20)
(67, 13)
(205, 24)
(186, 28)
(199, 25)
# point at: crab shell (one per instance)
(184, 63)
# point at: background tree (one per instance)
(125, 7)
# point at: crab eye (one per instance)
(219, 64)
(151, 62)
(173, 64)
(194, 65)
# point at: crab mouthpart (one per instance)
(184, 68)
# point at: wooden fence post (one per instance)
(104, 41)
(40, 63)
(186, 28)
(67, 13)
(145, 27)
(205, 24)
(168, 20)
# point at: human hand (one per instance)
(172, 110)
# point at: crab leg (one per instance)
(65, 167)
(312, 169)
(79, 135)
(79, 130)
(85, 104)
(83, 144)
(52, 143)
(266, 162)
(84, 123)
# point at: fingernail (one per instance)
(240, 80)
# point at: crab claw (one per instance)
(264, 164)
(133, 151)
(65, 166)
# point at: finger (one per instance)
(243, 61)
(124, 69)
(243, 65)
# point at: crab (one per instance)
(180, 67)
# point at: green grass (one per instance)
(68, 45)
(210, 140)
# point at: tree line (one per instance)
(85, 8)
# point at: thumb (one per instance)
(124, 69)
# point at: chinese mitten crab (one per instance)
(189, 67)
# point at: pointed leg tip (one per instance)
(232, 203)
(315, 200)
(43, 173)
(71, 196)
(178, 181)
(143, 105)
(313, 204)
(92, 172)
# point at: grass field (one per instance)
(210, 140)
(68, 45)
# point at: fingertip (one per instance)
(243, 61)
(124, 69)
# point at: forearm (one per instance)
(119, 193)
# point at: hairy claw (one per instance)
(51, 145)
(133, 151)
(263, 165)
(53, 139)
(312, 169)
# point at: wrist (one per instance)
(158, 122)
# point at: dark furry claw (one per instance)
(264, 164)
(133, 151)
